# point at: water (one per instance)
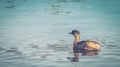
(34, 33)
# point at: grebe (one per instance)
(85, 45)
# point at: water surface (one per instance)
(34, 33)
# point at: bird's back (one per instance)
(89, 45)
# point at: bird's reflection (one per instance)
(89, 53)
(86, 53)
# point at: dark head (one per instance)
(75, 32)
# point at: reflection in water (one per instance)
(85, 53)
(90, 53)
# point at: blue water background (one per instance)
(30, 30)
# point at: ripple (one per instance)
(71, 0)
(34, 46)
(10, 6)
(56, 47)
(44, 57)
(112, 46)
(13, 50)
(1, 48)
(48, 66)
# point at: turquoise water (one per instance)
(34, 33)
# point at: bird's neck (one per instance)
(77, 39)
